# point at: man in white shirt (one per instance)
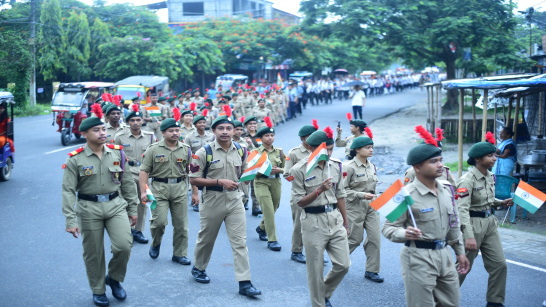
(358, 101)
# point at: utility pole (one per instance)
(32, 85)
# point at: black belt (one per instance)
(436, 244)
(169, 180)
(98, 198)
(484, 213)
(133, 163)
(215, 188)
(269, 177)
(320, 209)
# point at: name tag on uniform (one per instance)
(215, 161)
(126, 145)
(427, 210)
(195, 141)
(360, 175)
(108, 135)
(161, 158)
(478, 188)
(310, 178)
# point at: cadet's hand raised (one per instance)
(326, 185)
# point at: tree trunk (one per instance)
(452, 95)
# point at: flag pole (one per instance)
(505, 216)
(412, 217)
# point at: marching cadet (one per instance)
(295, 155)
(260, 112)
(446, 175)
(93, 179)
(170, 107)
(237, 132)
(250, 136)
(357, 129)
(113, 113)
(186, 127)
(238, 108)
(479, 225)
(246, 101)
(197, 98)
(222, 202)
(135, 141)
(166, 163)
(282, 102)
(360, 183)
(187, 98)
(153, 115)
(428, 270)
(268, 188)
(320, 192)
(270, 105)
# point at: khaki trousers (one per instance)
(268, 192)
(93, 218)
(141, 210)
(226, 207)
(255, 203)
(324, 231)
(430, 277)
(173, 197)
(489, 243)
(297, 242)
(154, 127)
(363, 217)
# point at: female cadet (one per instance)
(237, 132)
(357, 129)
(360, 184)
(476, 190)
(250, 136)
(268, 188)
(260, 112)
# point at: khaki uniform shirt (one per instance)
(359, 179)
(195, 141)
(87, 174)
(256, 142)
(295, 155)
(247, 105)
(260, 115)
(410, 176)
(477, 193)
(184, 131)
(160, 161)
(168, 111)
(198, 101)
(134, 147)
(435, 215)
(111, 131)
(244, 143)
(238, 109)
(304, 184)
(345, 143)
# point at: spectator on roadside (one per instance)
(506, 153)
(358, 101)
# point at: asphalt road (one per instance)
(42, 265)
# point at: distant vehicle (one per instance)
(129, 87)
(301, 76)
(68, 102)
(6, 134)
(231, 81)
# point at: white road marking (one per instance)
(532, 267)
(61, 149)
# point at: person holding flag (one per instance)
(357, 129)
(153, 115)
(476, 191)
(267, 185)
(360, 181)
(237, 132)
(430, 224)
(251, 124)
(318, 189)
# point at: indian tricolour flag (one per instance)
(266, 168)
(320, 154)
(255, 161)
(151, 199)
(528, 197)
(393, 202)
(153, 111)
(279, 80)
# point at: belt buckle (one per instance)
(328, 208)
(440, 244)
(137, 163)
(103, 198)
(487, 213)
(171, 180)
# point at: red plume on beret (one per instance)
(268, 122)
(369, 132)
(349, 116)
(110, 97)
(135, 108)
(207, 104)
(192, 106)
(137, 93)
(490, 137)
(240, 91)
(329, 132)
(197, 89)
(425, 135)
(176, 114)
(104, 97)
(174, 97)
(227, 109)
(205, 112)
(97, 110)
(261, 95)
(116, 100)
(206, 90)
(439, 134)
(242, 119)
(315, 123)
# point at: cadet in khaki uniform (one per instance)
(222, 203)
(246, 102)
(168, 109)
(251, 124)
(153, 115)
(167, 162)
(360, 183)
(476, 198)
(113, 113)
(237, 132)
(197, 98)
(294, 156)
(93, 179)
(186, 126)
(428, 270)
(135, 141)
(238, 109)
(357, 129)
(260, 112)
(268, 188)
(324, 223)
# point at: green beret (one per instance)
(306, 130)
(170, 100)
(226, 97)
(104, 106)
(98, 100)
(359, 122)
(318, 137)
(89, 123)
(237, 123)
(135, 98)
(169, 123)
(222, 120)
(133, 114)
(201, 108)
(187, 111)
(110, 108)
(234, 95)
(208, 100)
(479, 150)
(422, 152)
(250, 119)
(198, 118)
(162, 98)
(264, 130)
(361, 141)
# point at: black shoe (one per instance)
(100, 300)
(117, 290)
(325, 259)
(246, 205)
(154, 251)
(298, 257)
(373, 277)
(256, 212)
(200, 276)
(327, 302)
(196, 208)
(139, 237)
(494, 305)
(274, 246)
(247, 289)
(261, 234)
(182, 260)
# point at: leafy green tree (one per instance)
(15, 61)
(77, 53)
(100, 34)
(51, 40)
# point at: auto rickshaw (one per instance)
(6, 135)
(71, 104)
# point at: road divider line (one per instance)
(525, 265)
(61, 149)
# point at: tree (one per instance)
(76, 55)
(100, 34)
(51, 40)
(15, 62)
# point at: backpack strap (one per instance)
(208, 151)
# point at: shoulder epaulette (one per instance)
(75, 152)
(335, 160)
(444, 182)
(146, 132)
(112, 146)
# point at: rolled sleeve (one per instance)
(298, 188)
(464, 207)
(70, 182)
(147, 161)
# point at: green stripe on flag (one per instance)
(524, 204)
(400, 209)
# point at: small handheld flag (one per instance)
(151, 199)
(320, 154)
(529, 197)
(394, 202)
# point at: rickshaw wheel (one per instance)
(65, 137)
(77, 135)
(5, 172)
